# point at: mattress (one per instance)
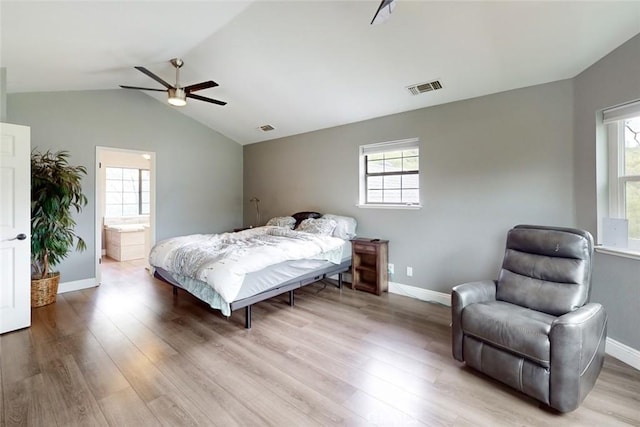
(267, 278)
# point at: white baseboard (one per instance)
(420, 293)
(623, 353)
(77, 285)
(613, 348)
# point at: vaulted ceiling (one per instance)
(306, 65)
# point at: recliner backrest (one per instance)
(546, 269)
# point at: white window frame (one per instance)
(614, 119)
(382, 147)
(139, 192)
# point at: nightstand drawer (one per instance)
(364, 248)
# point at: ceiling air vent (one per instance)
(419, 88)
(266, 128)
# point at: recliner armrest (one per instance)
(580, 317)
(577, 341)
(462, 296)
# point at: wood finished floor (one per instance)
(130, 353)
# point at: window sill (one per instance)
(620, 252)
(374, 206)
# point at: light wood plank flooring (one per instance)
(130, 353)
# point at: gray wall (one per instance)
(613, 80)
(198, 171)
(616, 285)
(486, 164)
(3, 94)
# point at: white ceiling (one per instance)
(306, 65)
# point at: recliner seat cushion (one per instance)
(516, 329)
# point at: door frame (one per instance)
(100, 150)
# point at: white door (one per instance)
(15, 227)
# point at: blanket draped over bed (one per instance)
(223, 260)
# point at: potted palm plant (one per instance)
(55, 191)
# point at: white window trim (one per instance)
(614, 163)
(402, 144)
(613, 119)
(620, 252)
(413, 206)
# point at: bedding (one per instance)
(223, 260)
(257, 282)
(345, 226)
(301, 216)
(282, 221)
(317, 226)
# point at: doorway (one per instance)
(125, 207)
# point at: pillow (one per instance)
(301, 216)
(345, 226)
(282, 221)
(317, 226)
(282, 232)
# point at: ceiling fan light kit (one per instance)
(177, 95)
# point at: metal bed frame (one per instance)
(287, 286)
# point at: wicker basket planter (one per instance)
(44, 291)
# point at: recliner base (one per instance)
(513, 370)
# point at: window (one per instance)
(623, 134)
(127, 192)
(390, 174)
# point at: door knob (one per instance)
(20, 236)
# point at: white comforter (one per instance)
(223, 260)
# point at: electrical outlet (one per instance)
(390, 268)
(410, 271)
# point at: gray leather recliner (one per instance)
(533, 328)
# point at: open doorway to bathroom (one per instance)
(125, 207)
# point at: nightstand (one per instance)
(369, 259)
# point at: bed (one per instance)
(231, 271)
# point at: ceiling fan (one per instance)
(178, 94)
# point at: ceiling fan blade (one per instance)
(384, 11)
(154, 77)
(202, 98)
(142, 88)
(200, 86)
